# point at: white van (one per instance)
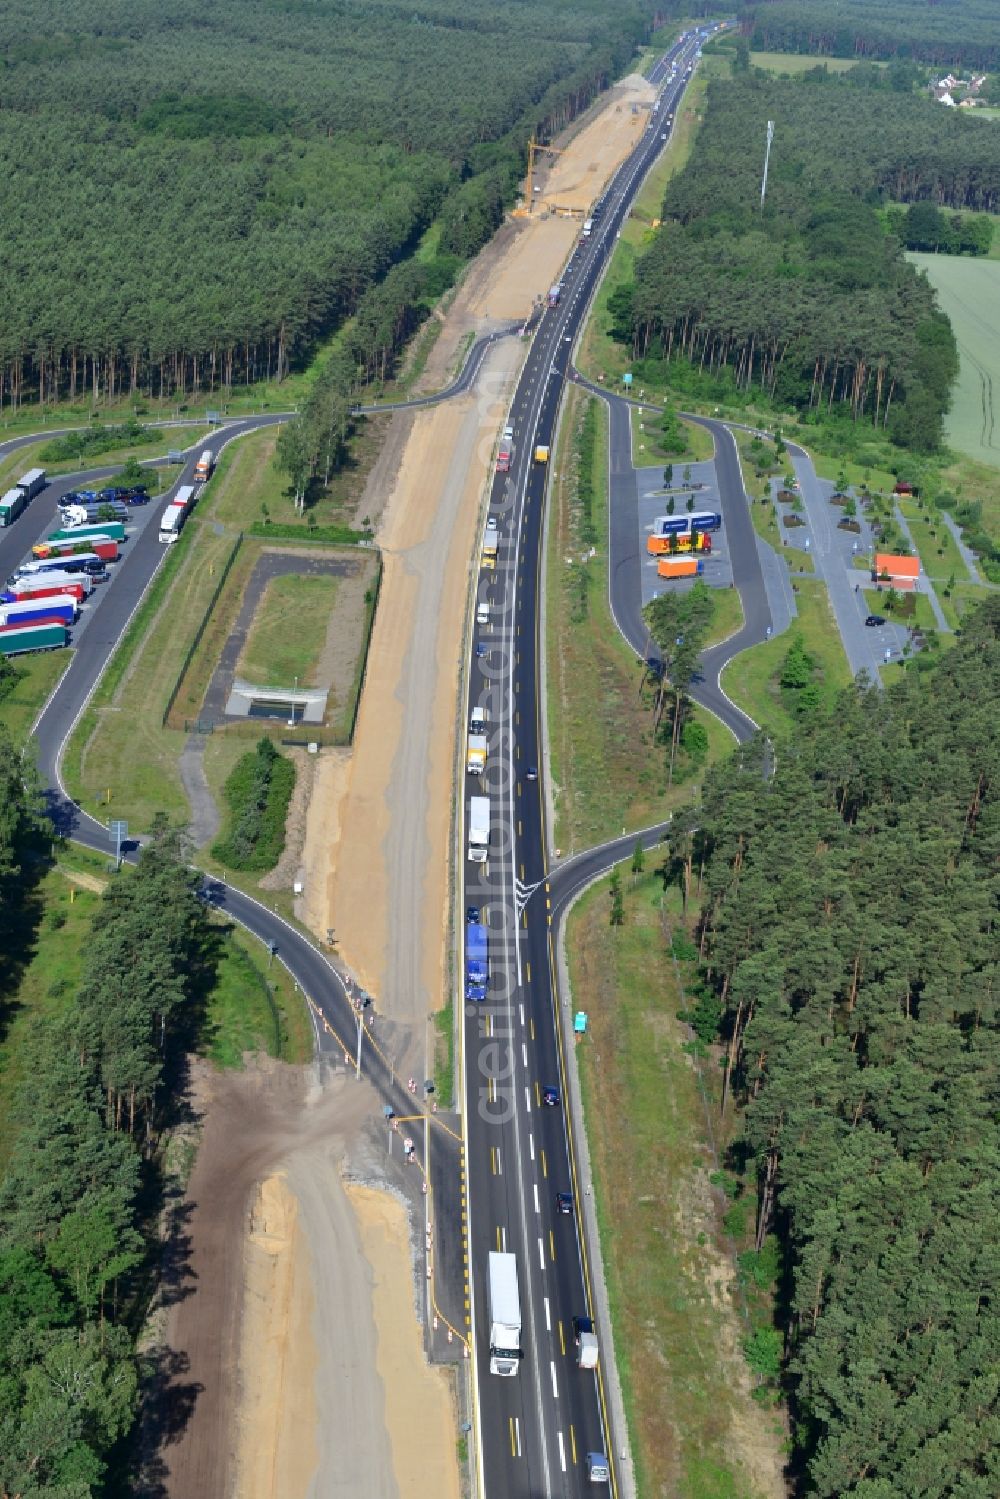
(482, 613)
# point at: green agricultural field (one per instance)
(800, 62)
(969, 292)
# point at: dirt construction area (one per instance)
(297, 1368)
(302, 1374)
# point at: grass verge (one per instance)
(164, 440)
(647, 447)
(121, 745)
(940, 558)
(752, 678)
(253, 1007)
(607, 772)
(120, 757)
(36, 679)
(444, 1054)
(694, 1427)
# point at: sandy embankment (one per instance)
(418, 1399)
(277, 1445)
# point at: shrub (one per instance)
(258, 792)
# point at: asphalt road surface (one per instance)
(536, 1428)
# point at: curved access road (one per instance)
(625, 557)
(462, 382)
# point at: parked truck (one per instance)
(100, 544)
(75, 511)
(203, 468)
(62, 607)
(477, 961)
(11, 506)
(32, 483)
(679, 567)
(504, 455)
(49, 585)
(505, 1315)
(491, 541)
(50, 637)
(588, 226)
(479, 829)
(698, 520)
(72, 563)
(555, 292)
(475, 756)
(115, 529)
(687, 541)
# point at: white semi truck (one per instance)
(479, 829)
(505, 1315)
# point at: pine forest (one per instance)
(851, 886)
(195, 193)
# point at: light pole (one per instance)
(767, 159)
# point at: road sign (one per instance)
(627, 378)
(119, 832)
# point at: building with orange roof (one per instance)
(896, 572)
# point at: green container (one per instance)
(114, 530)
(32, 638)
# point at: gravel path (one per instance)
(205, 820)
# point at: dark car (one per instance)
(475, 993)
(480, 650)
(136, 496)
(550, 1096)
(564, 1202)
(875, 619)
(531, 774)
(471, 914)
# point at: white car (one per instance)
(508, 433)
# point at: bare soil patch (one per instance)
(275, 1376)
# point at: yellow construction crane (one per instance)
(534, 147)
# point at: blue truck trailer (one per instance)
(477, 970)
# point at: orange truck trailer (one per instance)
(679, 567)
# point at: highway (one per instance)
(534, 1429)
